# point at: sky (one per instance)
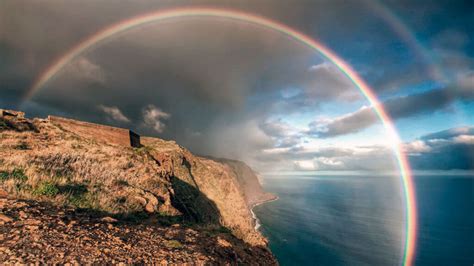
(232, 89)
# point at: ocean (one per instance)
(359, 220)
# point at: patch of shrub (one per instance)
(77, 146)
(73, 189)
(84, 201)
(46, 188)
(121, 200)
(17, 174)
(81, 201)
(23, 187)
(55, 164)
(3, 125)
(77, 195)
(4, 175)
(121, 182)
(128, 165)
(143, 150)
(22, 146)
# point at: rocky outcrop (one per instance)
(42, 161)
(205, 190)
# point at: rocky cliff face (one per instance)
(40, 160)
(248, 182)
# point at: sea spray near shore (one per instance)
(256, 220)
(254, 216)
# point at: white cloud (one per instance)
(330, 161)
(336, 156)
(305, 165)
(464, 139)
(153, 118)
(114, 113)
(415, 147)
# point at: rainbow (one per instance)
(403, 31)
(153, 17)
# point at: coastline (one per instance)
(254, 216)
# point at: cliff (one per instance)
(160, 183)
(248, 182)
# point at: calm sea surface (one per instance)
(357, 220)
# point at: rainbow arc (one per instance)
(162, 15)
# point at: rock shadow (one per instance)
(193, 204)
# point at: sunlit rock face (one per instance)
(248, 181)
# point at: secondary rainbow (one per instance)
(403, 31)
(153, 17)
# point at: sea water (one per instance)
(360, 220)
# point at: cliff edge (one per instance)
(159, 185)
(248, 182)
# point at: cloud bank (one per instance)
(397, 108)
(445, 150)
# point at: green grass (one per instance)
(3, 125)
(4, 175)
(77, 195)
(46, 188)
(81, 201)
(17, 174)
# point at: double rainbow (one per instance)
(153, 17)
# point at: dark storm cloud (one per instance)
(213, 84)
(445, 150)
(397, 108)
(210, 76)
(33, 34)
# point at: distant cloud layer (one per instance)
(451, 149)
(397, 107)
(370, 158)
(444, 150)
